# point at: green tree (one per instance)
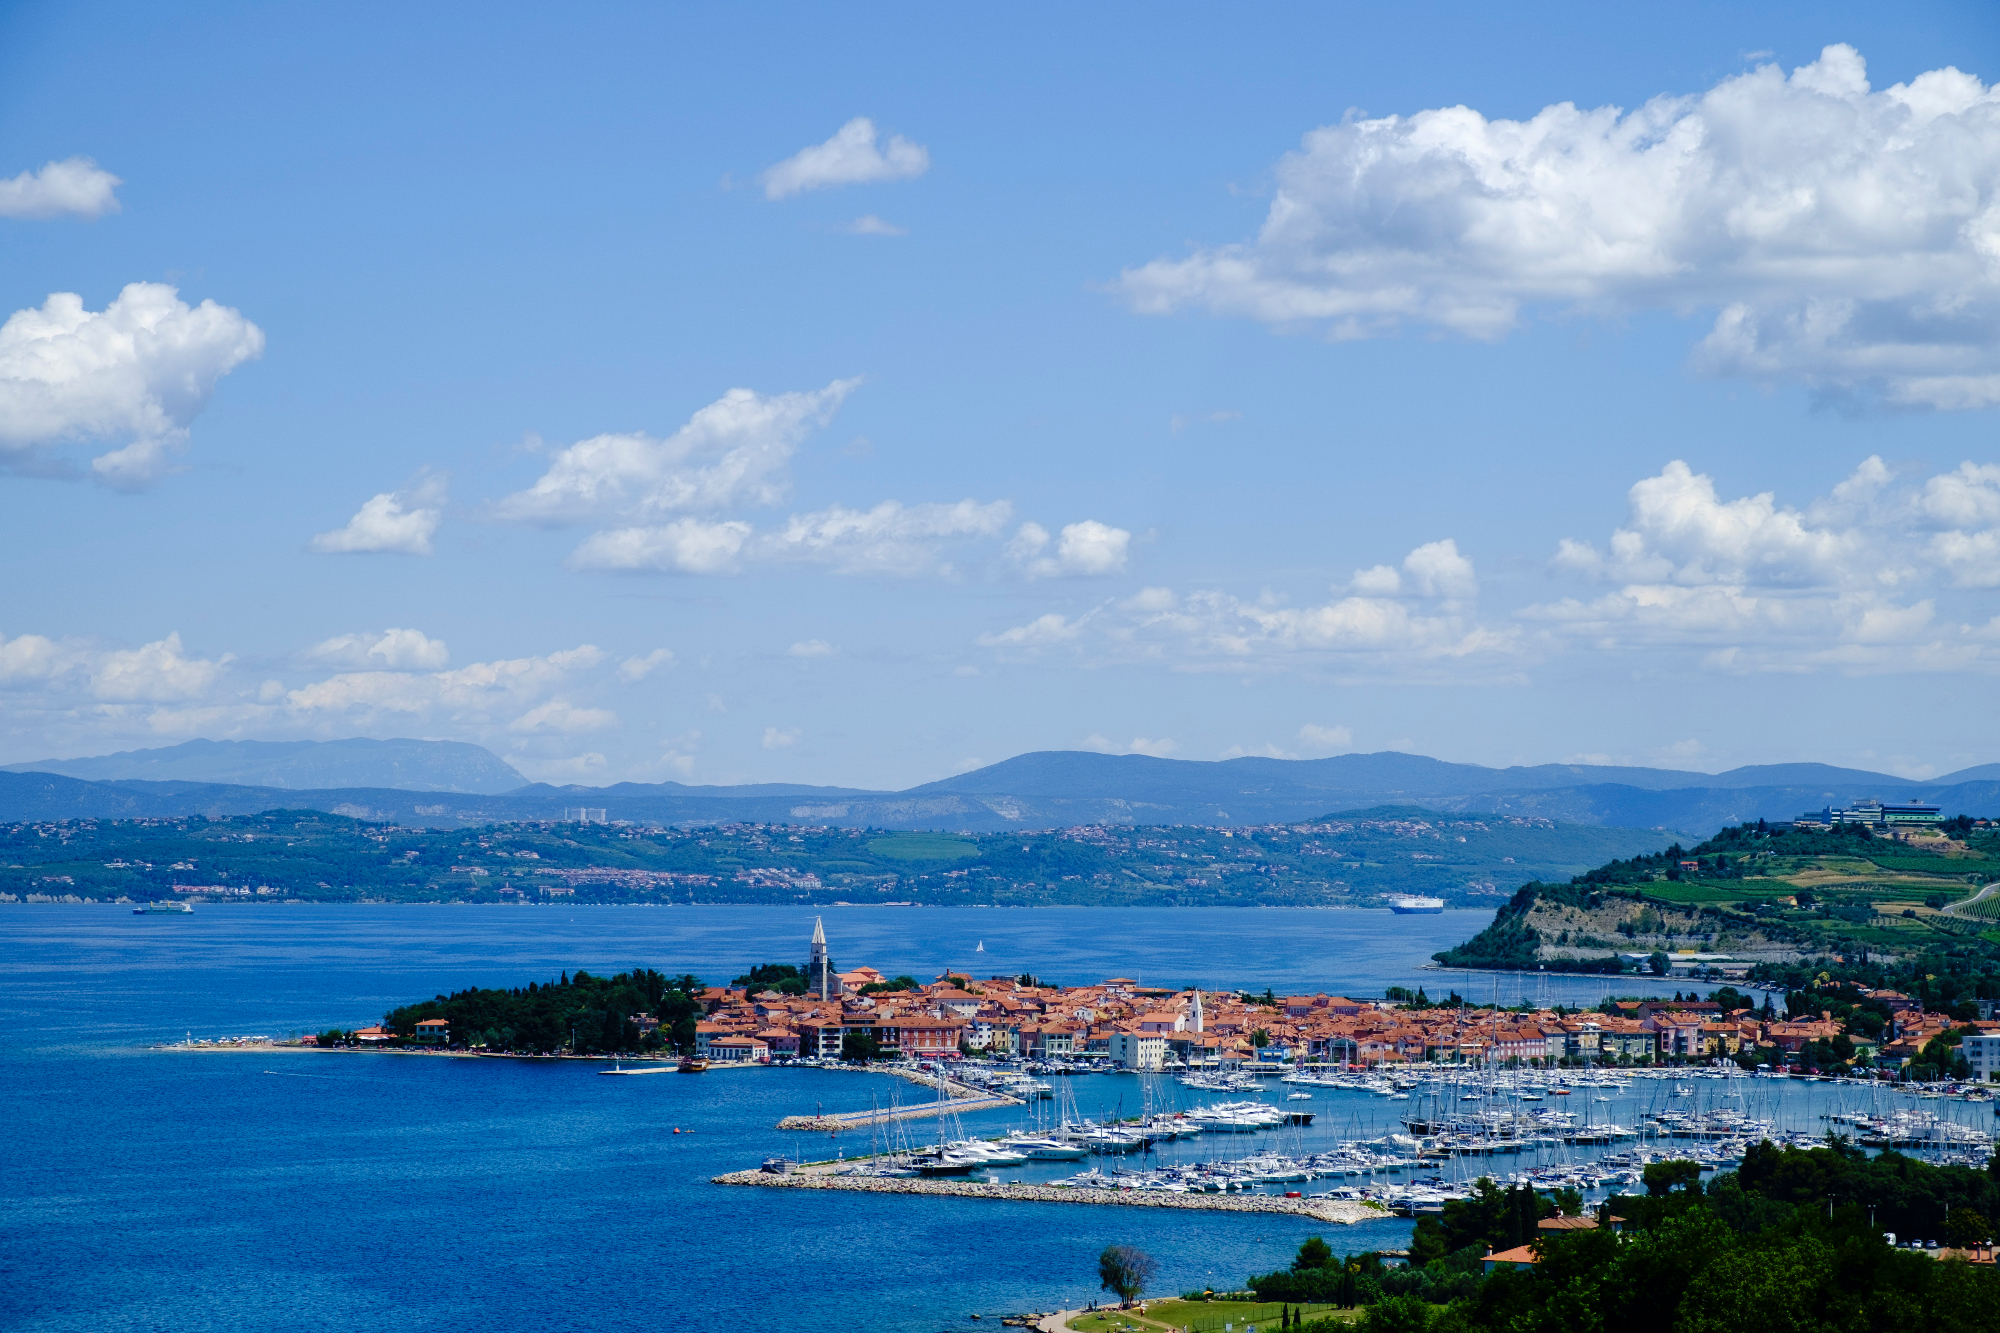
(859, 1045)
(1125, 1270)
(1315, 1254)
(1398, 1314)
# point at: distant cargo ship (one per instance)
(169, 909)
(1408, 906)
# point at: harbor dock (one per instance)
(819, 1176)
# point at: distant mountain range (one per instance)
(300, 765)
(443, 784)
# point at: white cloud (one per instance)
(684, 546)
(75, 186)
(775, 739)
(1083, 549)
(1333, 740)
(1265, 751)
(560, 715)
(736, 451)
(1849, 239)
(870, 225)
(155, 672)
(1427, 621)
(399, 521)
(28, 657)
(141, 369)
(850, 157)
(891, 538)
(1158, 749)
(635, 669)
(1853, 580)
(472, 694)
(391, 650)
(1037, 633)
(812, 648)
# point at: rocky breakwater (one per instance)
(1320, 1210)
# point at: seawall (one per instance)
(1320, 1210)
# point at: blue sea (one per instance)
(260, 1190)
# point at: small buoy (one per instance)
(677, 1129)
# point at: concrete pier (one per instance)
(1337, 1211)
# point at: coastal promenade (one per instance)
(1337, 1211)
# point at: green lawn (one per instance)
(1200, 1317)
(923, 847)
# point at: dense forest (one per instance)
(305, 856)
(1792, 1241)
(581, 1014)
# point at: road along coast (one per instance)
(806, 1178)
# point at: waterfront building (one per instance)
(1137, 1050)
(434, 1032)
(1982, 1052)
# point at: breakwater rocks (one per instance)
(1320, 1210)
(833, 1124)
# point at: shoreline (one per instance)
(1335, 1211)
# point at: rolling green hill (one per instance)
(1347, 860)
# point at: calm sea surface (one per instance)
(143, 1189)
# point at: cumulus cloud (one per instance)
(851, 157)
(139, 370)
(83, 696)
(1435, 569)
(76, 187)
(812, 648)
(1424, 618)
(684, 546)
(393, 521)
(1849, 239)
(1856, 578)
(469, 693)
(673, 505)
(635, 669)
(1158, 749)
(155, 672)
(1333, 740)
(391, 650)
(774, 739)
(1082, 549)
(736, 451)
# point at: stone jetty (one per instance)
(1320, 1210)
(833, 1124)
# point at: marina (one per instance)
(1405, 1141)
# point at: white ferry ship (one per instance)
(1406, 905)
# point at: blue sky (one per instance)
(1130, 379)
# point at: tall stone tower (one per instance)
(1197, 1011)
(820, 981)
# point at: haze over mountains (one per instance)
(447, 784)
(409, 764)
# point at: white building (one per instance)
(1982, 1052)
(1138, 1050)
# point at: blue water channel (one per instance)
(255, 1190)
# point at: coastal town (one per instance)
(823, 1013)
